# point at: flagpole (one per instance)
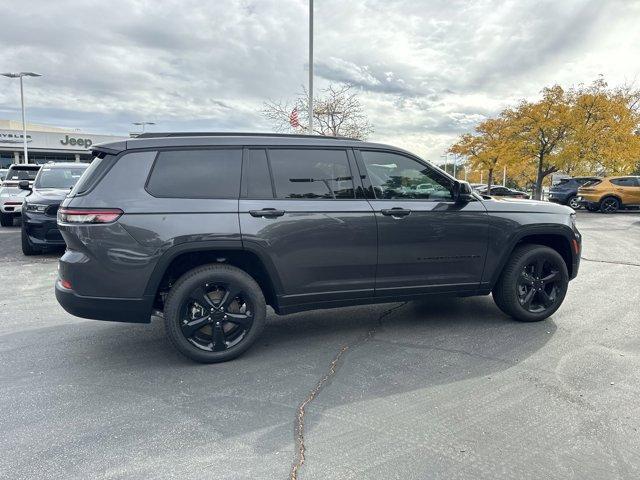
(310, 67)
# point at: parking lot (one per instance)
(438, 389)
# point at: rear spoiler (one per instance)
(111, 148)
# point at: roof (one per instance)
(205, 139)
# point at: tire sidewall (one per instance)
(610, 198)
(27, 248)
(6, 219)
(572, 198)
(516, 309)
(213, 274)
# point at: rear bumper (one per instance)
(132, 310)
(560, 197)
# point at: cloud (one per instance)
(426, 70)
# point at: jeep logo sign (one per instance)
(81, 142)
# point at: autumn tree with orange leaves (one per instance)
(588, 130)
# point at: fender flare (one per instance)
(206, 246)
(529, 230)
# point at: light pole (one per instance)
(20, 75)
(143, 124)
(446, 157)
(310, 67)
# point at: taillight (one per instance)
(88, 215)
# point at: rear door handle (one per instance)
(266, 213)
(395, 212)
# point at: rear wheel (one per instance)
(27, 246)
(533, 284)
(574, 203)
(609, 205)
(214, 313)
(6, 219)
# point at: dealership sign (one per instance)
(10, 137)
(51, 141)
(82, 142)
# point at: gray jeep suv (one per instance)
(209, 229)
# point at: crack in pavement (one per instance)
(299, 458)
(614, 262)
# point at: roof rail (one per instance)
(238, 134)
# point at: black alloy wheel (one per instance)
(533, 283)
(214, 313)
(538, 285)
(216, 316)
(609, 205)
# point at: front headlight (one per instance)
(36, 207)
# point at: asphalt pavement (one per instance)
(442, 389)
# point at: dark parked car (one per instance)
(566, 191)
(502, 192)
(207, 230)
(40, 206)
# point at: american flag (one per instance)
(293, 118)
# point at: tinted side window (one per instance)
(256, 175)
(311, 173)
(196, 174)
(624, 182)
(396, 176)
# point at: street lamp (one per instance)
(20, 75)
(143, 124)
(445, 155)
(310, 67)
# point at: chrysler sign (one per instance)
(53, 141)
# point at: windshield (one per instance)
(59, 177)
(17, 174)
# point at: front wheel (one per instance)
(6, 219)
(214, 313)
(27, 247)
(533, 284)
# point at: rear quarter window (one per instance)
(213, 173)
(92, 175)
(624, 182)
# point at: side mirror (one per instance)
(24, 185)
(462, 192)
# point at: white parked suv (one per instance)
(11, 196)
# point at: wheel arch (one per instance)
(558, 238)
(612, 195)
(182, 258)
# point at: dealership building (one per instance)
(47, 144)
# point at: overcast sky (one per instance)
(427, 70)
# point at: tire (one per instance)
(609, 205)
(518, 279)
(27, 248)
(573, 203)
(212, 329)
(592, 208)
(6, 219)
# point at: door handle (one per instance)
(266, 213)
(395, 212)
